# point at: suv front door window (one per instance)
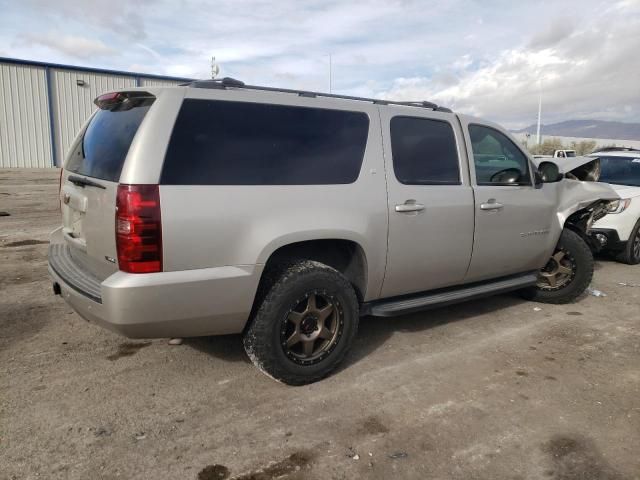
(512, 217)
(497, 159)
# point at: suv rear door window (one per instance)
(240, 143)
(106, 141)
(424, 152)
(494, 153)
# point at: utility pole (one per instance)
(539, 117)
(330, 74)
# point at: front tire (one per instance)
(305, 325)
(631, 253)
(567, 274)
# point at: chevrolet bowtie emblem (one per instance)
(66, 198)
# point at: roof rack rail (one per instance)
(617, 149)
(218, 83)
(226, 82)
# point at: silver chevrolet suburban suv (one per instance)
(221, 208)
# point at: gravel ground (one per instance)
(493, 389)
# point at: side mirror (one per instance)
(508, 175)
(549, 172)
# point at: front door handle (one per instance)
(409, 206)
(491, 205)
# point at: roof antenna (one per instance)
(215, 68)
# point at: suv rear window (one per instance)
(240, 143)
(106, 142)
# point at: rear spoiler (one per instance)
(123, 100)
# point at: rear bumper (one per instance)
(208, 301)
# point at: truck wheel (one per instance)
(305, 325)
(631, 252)
(567, 274)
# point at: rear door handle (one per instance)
(409, 206)
(491, 206)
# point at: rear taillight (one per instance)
(139, 228)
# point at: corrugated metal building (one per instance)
(43, 105)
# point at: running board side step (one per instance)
(414, 303)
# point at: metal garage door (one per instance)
(25, 137)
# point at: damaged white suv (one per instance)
(619, 232)
(218, 207)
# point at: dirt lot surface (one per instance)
(493, 389)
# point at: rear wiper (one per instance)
(84, 182)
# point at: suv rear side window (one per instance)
(239, 143)
(106, 141)
(496, 158)
(424, 152)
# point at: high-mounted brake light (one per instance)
(139, 228)
(108, 100)
(120, 101)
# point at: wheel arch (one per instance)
(581, 220)
(346, 255)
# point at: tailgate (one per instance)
(88, 224)
(90, 181)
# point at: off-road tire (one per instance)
(262, 338)
(628, 255)
(573, 243)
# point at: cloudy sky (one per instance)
(489, 58)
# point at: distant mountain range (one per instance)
(588, 129)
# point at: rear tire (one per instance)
(305, 324)
(567, 274)
(631, 253)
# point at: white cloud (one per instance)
(462, 63)
(124, 17)
(479, 57)
(151, 51)
(627, 5)
(584, 74)
(552, 34)
(73, 46)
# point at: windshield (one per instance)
(106, 142)
(620, 170)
